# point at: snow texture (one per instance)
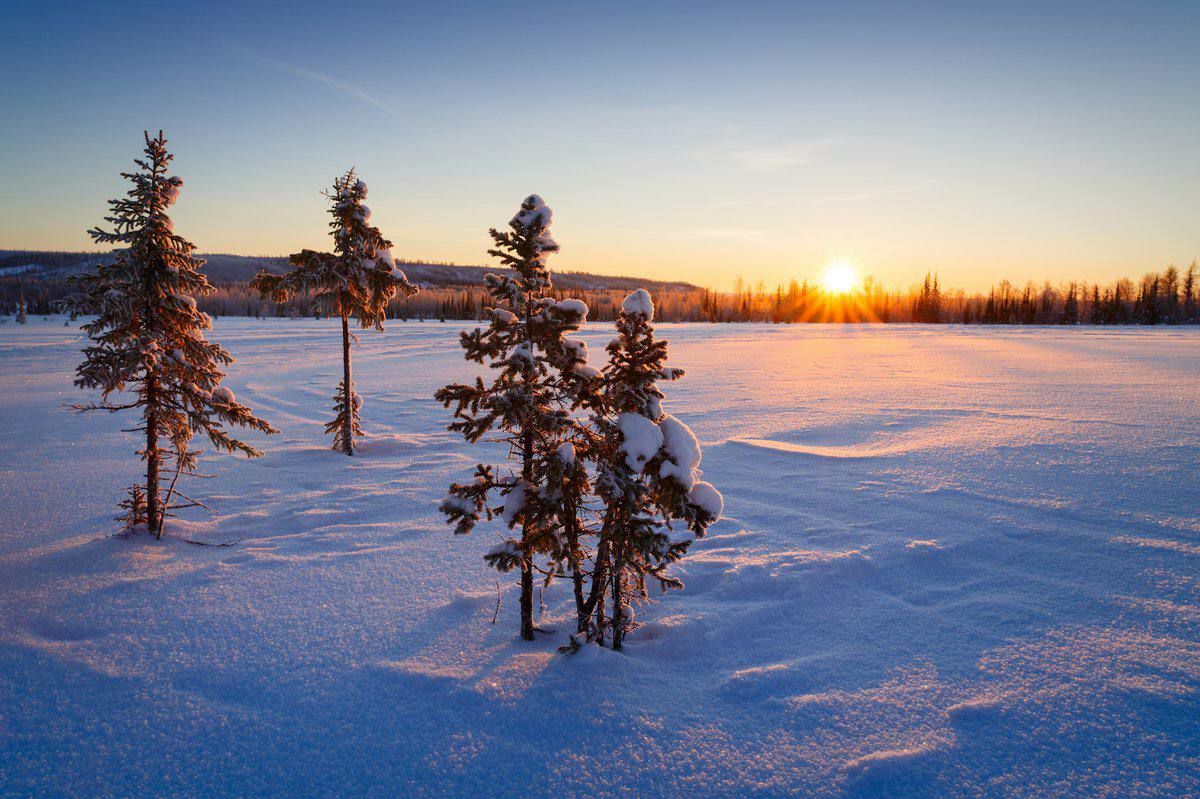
(641, 439)
(583, 370)
(1049, 648)
(639, 302)
(571, 305)
(540, 212)
(224, 394)
(578, 347)
(514, 503)
(683, 452)
(173, 189)
(707, 497)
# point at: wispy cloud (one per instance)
(767, 157)
(348, 89)
(345, 88)
(835, 199)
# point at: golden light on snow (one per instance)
(840, 278)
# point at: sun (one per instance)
(840, 278)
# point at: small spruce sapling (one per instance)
(357, 279)
(648, 471)
(539, 375)
(148, 341)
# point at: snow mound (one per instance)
(460, 504)
(641, 439)
(174, 185)
(639, 303)
(566, 453)
(224, 394)
(577, 347)
(514, 502)
(508, 547)
(535, 212)
(571, 305)
(707, 497)
(534, 209)
(585, 371)
(683, 452)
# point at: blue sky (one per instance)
(687, 141)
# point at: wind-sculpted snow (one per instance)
(953, 563)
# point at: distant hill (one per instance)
(224, 269)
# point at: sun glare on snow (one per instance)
(840, 278)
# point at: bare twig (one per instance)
(496, 615)
(233, 543)
(195, 503)
(162, 516)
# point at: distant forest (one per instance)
(456, 292)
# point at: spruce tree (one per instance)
(648, 474)
(1189, 295)
(148, 339)
(357, 279)
(22, 317)
(539, 375)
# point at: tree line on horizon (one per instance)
(1170, 297)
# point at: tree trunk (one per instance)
(600, 612)
(571, 527)
(527, 554)
(153, 513)
(527, 598)
(348, 393)
(595, 600)
(618, 614)
(581, 613)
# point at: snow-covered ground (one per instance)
(955, 562)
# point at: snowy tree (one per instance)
(540, 375)
(148, 343)
(648, 471)
(22, 317)
(357, 279)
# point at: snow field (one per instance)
(954, 562)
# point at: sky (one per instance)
(679, 141)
